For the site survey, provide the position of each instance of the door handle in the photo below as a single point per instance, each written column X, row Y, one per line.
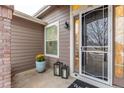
column 82, row 49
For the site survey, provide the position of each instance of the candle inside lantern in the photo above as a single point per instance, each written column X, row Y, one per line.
column 64, row 73
column 57, row 71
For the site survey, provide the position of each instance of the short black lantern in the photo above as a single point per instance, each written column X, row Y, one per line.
column 57, row 68
column 65, row 72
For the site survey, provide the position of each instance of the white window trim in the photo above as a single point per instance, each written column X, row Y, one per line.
column 50, row 55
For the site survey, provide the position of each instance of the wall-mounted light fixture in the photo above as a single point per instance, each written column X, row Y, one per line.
column 67, row 25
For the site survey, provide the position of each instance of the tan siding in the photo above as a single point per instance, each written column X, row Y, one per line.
column 61, row 14
column 27, row 40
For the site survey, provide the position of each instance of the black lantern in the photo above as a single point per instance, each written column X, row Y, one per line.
column 57, row 68
column 65, row 72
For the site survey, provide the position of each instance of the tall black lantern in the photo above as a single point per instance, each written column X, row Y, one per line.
column 57, row 68
column 65, row 72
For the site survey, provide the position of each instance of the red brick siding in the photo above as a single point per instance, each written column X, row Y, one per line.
column 5, row 50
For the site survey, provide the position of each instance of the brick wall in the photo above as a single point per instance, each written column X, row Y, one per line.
column 5, row 38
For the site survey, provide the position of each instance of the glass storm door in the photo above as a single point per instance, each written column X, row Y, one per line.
column 94, row 44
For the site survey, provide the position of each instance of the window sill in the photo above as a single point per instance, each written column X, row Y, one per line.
column 55, row 56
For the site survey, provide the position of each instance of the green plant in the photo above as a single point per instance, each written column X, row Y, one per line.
column 40, row 58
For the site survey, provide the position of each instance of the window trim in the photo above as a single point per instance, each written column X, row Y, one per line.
column 50, row 55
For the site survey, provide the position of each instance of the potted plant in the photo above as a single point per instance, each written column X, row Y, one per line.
column 40, row 63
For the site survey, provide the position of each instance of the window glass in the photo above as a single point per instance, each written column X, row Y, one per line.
column 76, row 43
column 51, row 33
column 51, row 47
column 119, row 45
column 51, row 39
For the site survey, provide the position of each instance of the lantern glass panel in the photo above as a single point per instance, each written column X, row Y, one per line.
column 57, row 70
column 64, row 73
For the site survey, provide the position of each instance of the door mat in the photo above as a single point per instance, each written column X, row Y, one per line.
column 80, row 84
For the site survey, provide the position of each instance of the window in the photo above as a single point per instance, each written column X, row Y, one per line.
column 76, row 43
column 52, row 40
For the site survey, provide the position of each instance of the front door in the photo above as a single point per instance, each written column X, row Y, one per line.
column 94, row 44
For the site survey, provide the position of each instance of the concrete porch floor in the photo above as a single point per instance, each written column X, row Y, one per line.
column 33, row 79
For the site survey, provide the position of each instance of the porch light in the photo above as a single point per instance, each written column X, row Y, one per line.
column 67, row 26
column 57, row 68
column 65, row 72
